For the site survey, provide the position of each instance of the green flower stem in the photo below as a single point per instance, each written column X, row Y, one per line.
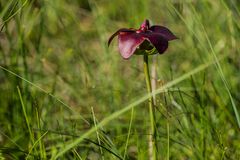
column 152, row 141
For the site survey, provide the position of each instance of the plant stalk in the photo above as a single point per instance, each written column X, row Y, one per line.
column 152, row 141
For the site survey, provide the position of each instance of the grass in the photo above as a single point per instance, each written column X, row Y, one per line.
column 66, row 95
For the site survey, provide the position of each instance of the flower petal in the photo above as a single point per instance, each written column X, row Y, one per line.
column 117, row 32
column 159, row 42
column 128, row 42
column 145, row 25
column 165, row 32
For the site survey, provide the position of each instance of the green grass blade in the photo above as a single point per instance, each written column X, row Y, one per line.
column 219, row 69
column 25, row 115
column 44, row 91
column 35, row 143
column 128, row 135
column 97, row 133
column 116, row 114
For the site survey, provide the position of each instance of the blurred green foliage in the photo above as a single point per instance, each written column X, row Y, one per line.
column 56, row 53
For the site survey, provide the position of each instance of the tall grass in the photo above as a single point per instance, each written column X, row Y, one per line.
column 66, row 95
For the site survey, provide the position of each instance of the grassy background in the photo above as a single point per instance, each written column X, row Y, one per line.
column 64, row 94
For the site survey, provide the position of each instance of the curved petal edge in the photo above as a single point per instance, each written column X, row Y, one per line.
column 164, row 31
column 117, row 32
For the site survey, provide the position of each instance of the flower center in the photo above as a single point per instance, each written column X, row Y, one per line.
column 144, row 26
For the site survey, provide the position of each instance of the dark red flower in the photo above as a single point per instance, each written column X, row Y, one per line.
column 144, row 38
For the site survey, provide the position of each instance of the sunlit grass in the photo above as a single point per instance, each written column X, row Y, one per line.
column 65, row 94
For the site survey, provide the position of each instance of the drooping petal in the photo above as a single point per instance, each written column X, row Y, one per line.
column 128, row 43
column 157, row 40
column 117, row 32
column 165, row 32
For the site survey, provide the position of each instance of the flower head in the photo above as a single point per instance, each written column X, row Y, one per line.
column 145, row 38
